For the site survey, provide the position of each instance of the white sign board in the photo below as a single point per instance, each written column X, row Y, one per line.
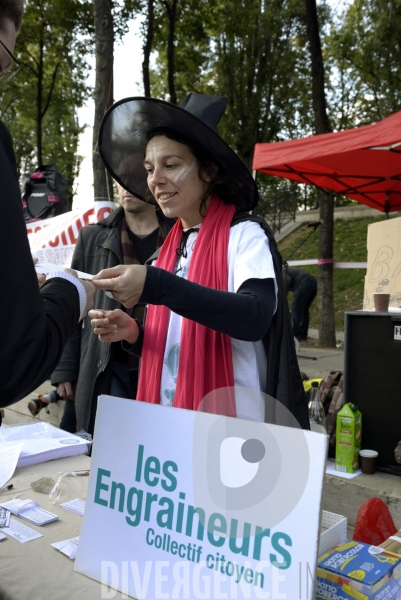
column 184, row 504
column 383, row 274
column 53, row 240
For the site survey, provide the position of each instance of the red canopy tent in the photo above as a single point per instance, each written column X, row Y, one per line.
column 363, row 163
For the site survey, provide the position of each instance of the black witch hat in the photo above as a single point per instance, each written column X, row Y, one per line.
column 126, row 127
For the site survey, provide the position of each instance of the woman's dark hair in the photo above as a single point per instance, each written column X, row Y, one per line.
column 208, row 167
column 13, row 10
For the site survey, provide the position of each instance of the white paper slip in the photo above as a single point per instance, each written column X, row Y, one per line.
column 47, row 268
column 30, row 511
column 21, row 532
column 67, row 547
column 4, row 517
column 9, row 455
column 331, row 470
column 2, row 536
column 76, row 506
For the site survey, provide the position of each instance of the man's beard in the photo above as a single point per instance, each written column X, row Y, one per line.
column 136, row 209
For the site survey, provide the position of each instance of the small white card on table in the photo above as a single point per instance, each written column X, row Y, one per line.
column 21, row 532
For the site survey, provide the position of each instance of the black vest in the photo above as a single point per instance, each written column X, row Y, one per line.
column 283, row 376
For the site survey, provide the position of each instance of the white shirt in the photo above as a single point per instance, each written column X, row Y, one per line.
column 80, row 288
column 249, row 257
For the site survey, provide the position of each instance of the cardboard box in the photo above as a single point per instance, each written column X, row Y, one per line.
column 348, row 438
column 327, row 590
column 384, row 262
column 355, row 570
column 391, row 591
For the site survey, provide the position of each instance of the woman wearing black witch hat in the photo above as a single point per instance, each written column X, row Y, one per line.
column 216, row 318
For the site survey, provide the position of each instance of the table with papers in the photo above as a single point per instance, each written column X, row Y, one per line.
column 36, row 569
column 35, row 443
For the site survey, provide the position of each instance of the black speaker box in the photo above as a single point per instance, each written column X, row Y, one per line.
column 372, row 377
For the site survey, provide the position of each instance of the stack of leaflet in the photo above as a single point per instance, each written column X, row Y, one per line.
column 42, row 442
column 30, row 511
column 76, row 506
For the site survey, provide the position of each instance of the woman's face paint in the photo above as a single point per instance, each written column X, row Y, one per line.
column 173, row 179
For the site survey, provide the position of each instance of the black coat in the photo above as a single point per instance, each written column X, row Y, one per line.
column 293, row 278
column 35, row 324
column 85, row 359
column 284, row 381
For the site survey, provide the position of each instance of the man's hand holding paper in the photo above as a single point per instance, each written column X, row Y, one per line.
column 49, row 269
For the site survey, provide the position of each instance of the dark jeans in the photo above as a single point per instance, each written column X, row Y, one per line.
column 69, row 420
column 121, row 386
column 121, row 381
column 303, row 298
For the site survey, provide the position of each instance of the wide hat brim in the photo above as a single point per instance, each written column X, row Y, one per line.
column 123, row 138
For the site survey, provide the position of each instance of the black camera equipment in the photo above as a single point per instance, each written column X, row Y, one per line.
column 44, row 193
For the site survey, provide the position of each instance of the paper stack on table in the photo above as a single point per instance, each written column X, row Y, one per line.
column 30, row 511
column 42, row 442
column 76, row 506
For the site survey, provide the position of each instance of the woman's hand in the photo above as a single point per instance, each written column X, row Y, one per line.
column 114, row 325
column 125, row 282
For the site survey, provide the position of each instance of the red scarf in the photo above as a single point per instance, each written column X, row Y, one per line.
column 205, row 361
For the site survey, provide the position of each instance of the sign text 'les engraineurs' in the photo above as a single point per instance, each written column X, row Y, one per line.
column 187, row 504
column 138, row 503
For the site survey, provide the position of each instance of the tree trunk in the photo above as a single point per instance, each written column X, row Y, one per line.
column 327, row 333
column 172, row 16
column 148, row 49
column 103, row 94
column 326, row 202
column 39, row 99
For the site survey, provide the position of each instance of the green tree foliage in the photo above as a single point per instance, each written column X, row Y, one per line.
column 253, row 52
column 40, row 104
column 192, row 51
column 365, row 49
column 258, row 67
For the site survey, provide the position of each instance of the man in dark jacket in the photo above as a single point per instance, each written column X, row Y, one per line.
column 36, row 324
column 89, row 368
column 304, row 286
